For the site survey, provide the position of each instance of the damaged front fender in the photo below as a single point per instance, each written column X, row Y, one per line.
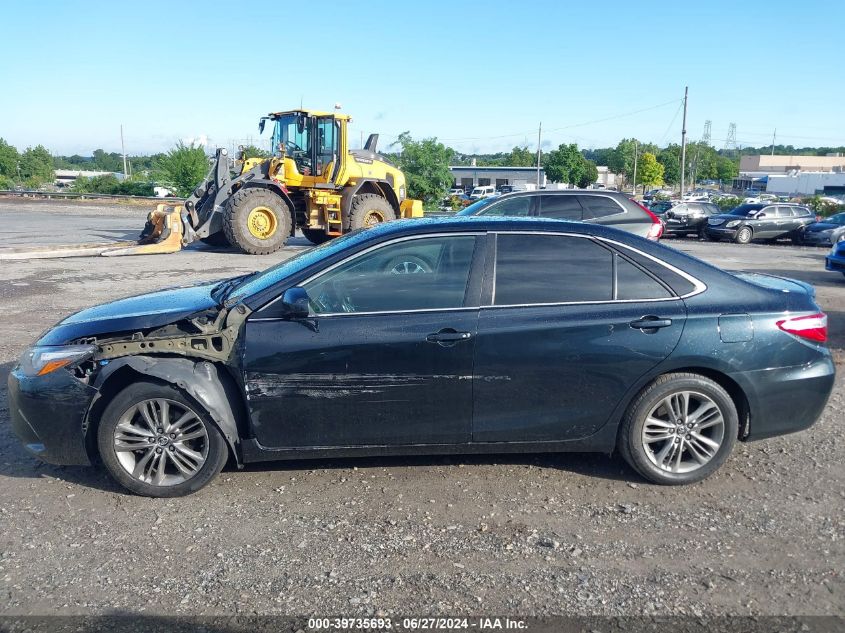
column 204, row 381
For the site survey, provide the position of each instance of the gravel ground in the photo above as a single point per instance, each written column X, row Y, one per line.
column 528, row 535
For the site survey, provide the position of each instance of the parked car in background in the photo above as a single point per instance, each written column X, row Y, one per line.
column 825, row 232
column 605, row 207
column 835, row 260
column 660, row 207
column 438, row 336
column 456, row 191
column 760, row 221
column 486, row 191
column 688, row 218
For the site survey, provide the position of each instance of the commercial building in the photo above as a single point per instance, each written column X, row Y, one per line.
column 470, row 176
column 797, row 175
column 764, row 164
column 65, row 177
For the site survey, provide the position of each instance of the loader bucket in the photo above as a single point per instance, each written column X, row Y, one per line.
column 163, row 233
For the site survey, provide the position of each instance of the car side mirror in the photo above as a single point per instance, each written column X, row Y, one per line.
column 760, row 215
column 296, row 304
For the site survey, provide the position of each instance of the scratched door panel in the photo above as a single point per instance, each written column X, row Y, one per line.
column 360, row 380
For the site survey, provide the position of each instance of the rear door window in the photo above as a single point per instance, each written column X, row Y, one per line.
column 599, row 207
column 632, row 284
column 538, row 269
column 560, row 207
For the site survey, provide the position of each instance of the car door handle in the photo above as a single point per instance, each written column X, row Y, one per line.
column 448, row 335
column 650, row 323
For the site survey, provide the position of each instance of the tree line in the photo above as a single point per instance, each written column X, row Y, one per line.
column 425, row 163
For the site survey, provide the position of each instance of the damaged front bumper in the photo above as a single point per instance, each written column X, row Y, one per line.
column 48, row 415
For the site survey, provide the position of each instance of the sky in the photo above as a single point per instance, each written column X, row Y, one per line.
column 479, row 76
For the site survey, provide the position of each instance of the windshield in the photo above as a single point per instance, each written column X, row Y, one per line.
column 839, row 218
column 477, row 206
column 745, row 210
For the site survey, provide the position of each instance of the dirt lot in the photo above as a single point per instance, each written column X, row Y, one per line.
column 528, row 535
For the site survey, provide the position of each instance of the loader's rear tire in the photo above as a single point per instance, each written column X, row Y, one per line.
column 257, row 221
column 216, row 239
column 316, row 236
column 369, row 210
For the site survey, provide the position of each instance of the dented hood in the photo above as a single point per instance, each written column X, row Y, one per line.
column 140, row 312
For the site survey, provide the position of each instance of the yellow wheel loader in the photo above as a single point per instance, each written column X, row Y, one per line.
column 313, row 182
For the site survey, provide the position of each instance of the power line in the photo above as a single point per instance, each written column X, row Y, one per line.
column 565, row 127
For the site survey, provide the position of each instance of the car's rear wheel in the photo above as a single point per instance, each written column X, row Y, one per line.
column 157, row 442
column 679, row 429
column 744, row 235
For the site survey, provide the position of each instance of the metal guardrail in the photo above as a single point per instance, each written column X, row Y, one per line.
column 80, row 196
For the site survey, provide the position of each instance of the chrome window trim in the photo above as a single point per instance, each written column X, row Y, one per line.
column 699, row 286
column 374, row 247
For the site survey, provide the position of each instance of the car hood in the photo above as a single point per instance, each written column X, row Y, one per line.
column 140, row 312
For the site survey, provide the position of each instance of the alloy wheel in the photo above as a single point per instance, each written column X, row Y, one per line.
column 683, row 432
column 161, row 442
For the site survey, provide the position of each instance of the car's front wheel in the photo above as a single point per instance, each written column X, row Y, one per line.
column 744, row 235
column 679, row 429
column 157, row 442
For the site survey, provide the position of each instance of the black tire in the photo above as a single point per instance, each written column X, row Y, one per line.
column 368, row 210
column 744, row 235
column 316, row 236
column 632, row 445
column 270, row 207
column 218, row 240
column 216, row 450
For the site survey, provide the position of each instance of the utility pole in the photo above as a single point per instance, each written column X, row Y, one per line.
column 774, row 135
column 539, row 138
column 636, row 146
column 123, row 150
column 684, row 141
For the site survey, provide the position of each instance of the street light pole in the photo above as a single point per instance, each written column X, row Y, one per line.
column 539, row 139
column 636, row 146
column 684, row 142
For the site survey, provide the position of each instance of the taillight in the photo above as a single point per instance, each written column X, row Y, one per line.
column 656, row 229
column 812, row 327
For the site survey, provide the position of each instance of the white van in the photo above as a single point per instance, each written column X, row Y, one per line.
column 487, row 191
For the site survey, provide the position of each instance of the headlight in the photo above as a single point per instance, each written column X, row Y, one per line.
column 39, row 361
column 732, row 224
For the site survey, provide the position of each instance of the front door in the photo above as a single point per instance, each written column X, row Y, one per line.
column 386, row 358
column 562, row 341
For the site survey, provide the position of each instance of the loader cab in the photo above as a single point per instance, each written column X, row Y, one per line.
column 314, row 141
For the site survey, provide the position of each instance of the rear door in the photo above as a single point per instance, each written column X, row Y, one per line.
column 562, row 336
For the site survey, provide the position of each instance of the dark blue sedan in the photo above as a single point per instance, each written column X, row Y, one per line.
column 463, row 335
column 835, row 260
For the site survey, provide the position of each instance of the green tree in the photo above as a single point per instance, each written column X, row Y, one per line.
column 251, row 151
column 181, row 169
column 36, row 166
column 589, row 175
column 670, row 158
column 649, row 171
column 726, row 169
column 565, row 164
column 9, row 158
column 107, row 161
column 426, row 167
column 521, row 157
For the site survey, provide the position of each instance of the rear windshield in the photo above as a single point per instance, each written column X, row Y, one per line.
column 745, row 210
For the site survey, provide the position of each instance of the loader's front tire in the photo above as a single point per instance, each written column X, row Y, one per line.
column 316, row 236
column 369, row 210
column 257, row 221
